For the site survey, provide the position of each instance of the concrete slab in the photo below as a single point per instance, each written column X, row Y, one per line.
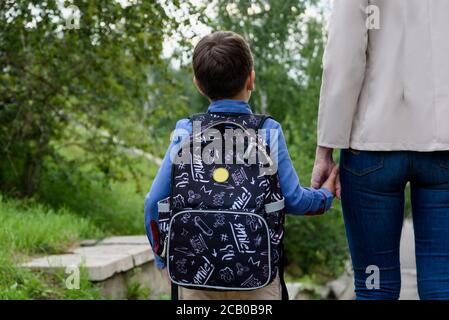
column 114, row 263
column 341, row 288
column 138, row 240
column 147, row 276
column 88, row 243
column 99, row 267
column 140, row 253
column 293, row 289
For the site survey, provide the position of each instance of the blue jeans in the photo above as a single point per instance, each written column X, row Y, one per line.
column 373, row 199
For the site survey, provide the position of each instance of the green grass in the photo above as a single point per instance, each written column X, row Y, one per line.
column 62, row 215
column 28, row 229
column 33, row 228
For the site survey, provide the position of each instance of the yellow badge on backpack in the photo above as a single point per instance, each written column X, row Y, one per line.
column 220, row 175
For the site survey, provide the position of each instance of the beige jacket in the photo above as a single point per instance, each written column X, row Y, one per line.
column 387, row 88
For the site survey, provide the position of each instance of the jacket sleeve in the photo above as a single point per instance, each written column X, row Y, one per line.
column 298, row 200
column 344, row 65
column 160, row 189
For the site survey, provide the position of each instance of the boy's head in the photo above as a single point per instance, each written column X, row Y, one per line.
column 223, row 66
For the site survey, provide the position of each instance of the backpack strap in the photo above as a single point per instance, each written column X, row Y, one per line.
column 201, row 116
column 284, row 291
column 263, row 118
column 196, row 116
column 174, row 292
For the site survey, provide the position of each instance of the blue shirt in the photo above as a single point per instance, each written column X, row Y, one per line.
column 298, row 200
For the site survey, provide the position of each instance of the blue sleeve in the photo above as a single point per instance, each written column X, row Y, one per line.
column 160, row 188
column 298, row 200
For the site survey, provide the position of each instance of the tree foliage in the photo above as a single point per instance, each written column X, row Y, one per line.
column 85, row 87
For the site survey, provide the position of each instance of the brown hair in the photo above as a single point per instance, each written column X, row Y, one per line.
column 222, row 62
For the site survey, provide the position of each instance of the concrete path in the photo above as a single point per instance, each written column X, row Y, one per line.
column 102, row 259
column 116, row 265
column 408, row 263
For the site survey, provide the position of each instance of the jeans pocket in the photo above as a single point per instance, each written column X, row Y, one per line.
column 361, row 163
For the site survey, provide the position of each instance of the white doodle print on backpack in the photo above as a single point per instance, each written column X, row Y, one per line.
column 258, row 241
column 204, row 272
column 203, row 226
column 178, row 201
column 242, row 201
column 254, row 223
column 185, row 251
column 241, row 269
column 198, row 244
column 181, row 266
column 227, row 274
column 186, row 217
column 205, row 191
column 228, row 253
column 218, row 199
column 239, row 176
column 193, row 196
column 252, row 281
column 182, row 180
column 219, row 220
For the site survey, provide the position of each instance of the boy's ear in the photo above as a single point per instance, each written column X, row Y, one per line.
column 250, row 86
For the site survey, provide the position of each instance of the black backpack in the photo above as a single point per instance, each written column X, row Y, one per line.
column 222, row 228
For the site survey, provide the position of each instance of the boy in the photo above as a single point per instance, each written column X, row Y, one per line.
column 223, row 69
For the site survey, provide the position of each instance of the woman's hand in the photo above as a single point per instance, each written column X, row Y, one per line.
column 323, row 167
column 331, row 182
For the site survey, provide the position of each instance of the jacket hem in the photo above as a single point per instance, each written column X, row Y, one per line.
column 427, row 147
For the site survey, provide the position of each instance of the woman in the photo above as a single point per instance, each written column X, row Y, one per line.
column 385, row 103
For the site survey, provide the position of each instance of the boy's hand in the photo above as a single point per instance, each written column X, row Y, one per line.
column 331, row 182
column 324, row 163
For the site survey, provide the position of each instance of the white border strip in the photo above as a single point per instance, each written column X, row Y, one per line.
column 163, row 206
column 275, row 206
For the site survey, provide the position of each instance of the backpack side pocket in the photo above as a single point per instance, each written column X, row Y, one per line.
column 164, row 212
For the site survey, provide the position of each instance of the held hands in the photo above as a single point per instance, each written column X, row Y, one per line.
column 325, row 172
column 330, row 183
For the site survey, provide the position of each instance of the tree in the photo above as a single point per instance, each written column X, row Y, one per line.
column 62, row 86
